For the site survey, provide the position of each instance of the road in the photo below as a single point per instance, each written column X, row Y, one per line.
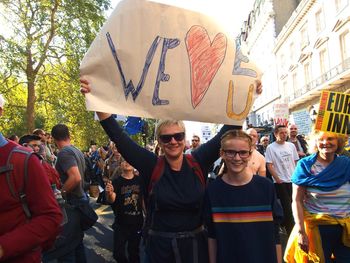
column 99, row 239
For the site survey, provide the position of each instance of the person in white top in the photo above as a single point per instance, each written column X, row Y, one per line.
column 257, row 162
column 281, row 157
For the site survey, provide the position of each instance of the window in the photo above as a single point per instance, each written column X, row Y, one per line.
column 295, row 82
column 283, row 62
column 319, row 17
column 285, row 89
column 345, row 45
column 324, row 63
column 307, row 73
column 304, row 37
column 292, row 53
column 340, row 4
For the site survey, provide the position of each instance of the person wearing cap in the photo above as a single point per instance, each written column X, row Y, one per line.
column 22, row 240
column 33, row 142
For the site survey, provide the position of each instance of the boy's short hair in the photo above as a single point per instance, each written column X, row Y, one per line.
column 278, row 127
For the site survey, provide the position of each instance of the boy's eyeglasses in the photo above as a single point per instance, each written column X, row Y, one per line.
column 166, row 138
column 232, row 153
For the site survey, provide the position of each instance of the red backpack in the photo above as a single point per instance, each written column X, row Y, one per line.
column 159, row 170
column 17, row 167
column 17, row 164
column 54, row 177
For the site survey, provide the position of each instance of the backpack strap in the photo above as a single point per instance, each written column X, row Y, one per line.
column 21, row 196
column 195, row 167
column 159, row 170
column 157, row 173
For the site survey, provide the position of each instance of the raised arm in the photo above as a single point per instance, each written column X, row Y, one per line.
column 208, row 152
column 140, row 158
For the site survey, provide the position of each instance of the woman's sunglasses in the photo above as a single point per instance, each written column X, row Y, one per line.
column 166, row 138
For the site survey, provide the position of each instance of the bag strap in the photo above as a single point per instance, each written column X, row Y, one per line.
column 21, row 195
column 159, row 170
column 195, row 167
column 157, row 173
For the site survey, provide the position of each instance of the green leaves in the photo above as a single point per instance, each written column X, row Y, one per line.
column 40, row 54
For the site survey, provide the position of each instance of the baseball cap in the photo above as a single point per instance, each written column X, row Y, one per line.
column 2, row 101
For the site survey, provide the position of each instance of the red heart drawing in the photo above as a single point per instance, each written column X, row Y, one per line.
column 205, row 58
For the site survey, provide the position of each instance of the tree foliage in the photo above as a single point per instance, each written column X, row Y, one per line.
column 40, row 52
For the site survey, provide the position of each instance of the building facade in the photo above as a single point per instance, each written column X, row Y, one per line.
column 302, row 47
column 258, row 34
column 313, row 54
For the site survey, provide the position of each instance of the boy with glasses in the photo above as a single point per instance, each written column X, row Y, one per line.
column 241, row 206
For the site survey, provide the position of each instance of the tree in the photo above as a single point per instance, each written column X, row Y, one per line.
column 43, row 33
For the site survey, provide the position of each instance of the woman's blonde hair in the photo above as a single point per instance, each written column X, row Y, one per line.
column 236, row 134
column 163, row 123
column 342, row 139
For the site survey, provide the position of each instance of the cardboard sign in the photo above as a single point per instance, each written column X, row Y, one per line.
column 159, row 61
column 302, row 120
column 281, row 114
column 334, row 113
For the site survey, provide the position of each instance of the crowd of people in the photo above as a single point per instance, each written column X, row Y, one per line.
column 226, row 200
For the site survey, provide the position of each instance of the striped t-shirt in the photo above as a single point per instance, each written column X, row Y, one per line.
column 335, row 203
column 243, row 220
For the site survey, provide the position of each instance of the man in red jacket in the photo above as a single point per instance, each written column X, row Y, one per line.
column 22, row 237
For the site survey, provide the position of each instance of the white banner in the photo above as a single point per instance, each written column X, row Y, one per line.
column 159, row 61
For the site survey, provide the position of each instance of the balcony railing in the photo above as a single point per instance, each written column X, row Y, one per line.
column 332, row 73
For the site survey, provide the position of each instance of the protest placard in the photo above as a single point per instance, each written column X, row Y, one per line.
column 334, row 113
column 161, row 61
column 281, row 114
column 302, row 120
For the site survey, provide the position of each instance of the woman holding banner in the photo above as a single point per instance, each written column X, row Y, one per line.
column 175, row 184
column 321, row 204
